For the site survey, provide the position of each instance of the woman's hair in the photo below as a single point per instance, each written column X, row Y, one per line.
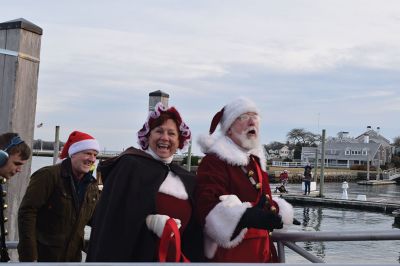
column 161, row 120
column 157, row 118
column 22, row 148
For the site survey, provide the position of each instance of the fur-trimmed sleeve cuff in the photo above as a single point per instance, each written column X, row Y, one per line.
column 222, row 220
column 285, row 210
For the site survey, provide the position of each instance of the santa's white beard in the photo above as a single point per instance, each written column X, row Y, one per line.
column 246, row 142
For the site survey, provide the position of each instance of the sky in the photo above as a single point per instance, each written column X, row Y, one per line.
column 332, row 64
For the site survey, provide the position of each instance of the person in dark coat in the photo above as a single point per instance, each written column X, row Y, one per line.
column 142, row 190
column 58, row 203
column 14, row 153
column 307, row 179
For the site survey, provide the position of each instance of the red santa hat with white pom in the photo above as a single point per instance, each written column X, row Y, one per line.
column 230, row 112
column 77, row 142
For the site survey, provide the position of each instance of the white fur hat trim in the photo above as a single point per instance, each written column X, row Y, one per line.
column 234, row 109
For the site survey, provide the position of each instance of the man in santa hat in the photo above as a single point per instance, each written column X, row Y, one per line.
column 58, row 203
column 234, row 202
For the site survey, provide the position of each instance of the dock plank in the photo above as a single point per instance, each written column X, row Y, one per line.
column 386, row 207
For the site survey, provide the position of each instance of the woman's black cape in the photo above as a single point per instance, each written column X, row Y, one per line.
column 119, row 232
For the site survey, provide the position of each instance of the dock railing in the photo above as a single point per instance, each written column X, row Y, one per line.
column 302, row 164
column 391, row 174
column 289, row 240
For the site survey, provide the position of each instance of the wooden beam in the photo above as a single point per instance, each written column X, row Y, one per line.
column 20, row 43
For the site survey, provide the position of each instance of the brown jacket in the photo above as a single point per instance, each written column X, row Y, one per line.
column 50, row 221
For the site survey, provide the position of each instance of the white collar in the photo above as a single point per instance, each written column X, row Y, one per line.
column 155, row 156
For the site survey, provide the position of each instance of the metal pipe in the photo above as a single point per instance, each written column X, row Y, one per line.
column 281, row 252
column 289, row 238
column 337, row 236
column 304, row 253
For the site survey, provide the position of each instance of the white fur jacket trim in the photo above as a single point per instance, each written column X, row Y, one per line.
column 285, row 211
column 228, row 151
column 174, row 186
column 220, row 225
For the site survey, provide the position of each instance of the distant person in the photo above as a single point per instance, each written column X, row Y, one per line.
column 233, row 195
column 14, row 153
column 144, row 191
column 307, row 179
column 284, row 177
column 58, row 203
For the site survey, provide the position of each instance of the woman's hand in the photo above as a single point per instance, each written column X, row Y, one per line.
column 156, row 223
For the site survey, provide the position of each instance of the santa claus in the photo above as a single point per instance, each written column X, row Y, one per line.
column 233, row 195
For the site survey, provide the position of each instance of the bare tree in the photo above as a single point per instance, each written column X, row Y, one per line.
column 297, row 135
column 275, row 145
column 396, row 141
column 300, row 135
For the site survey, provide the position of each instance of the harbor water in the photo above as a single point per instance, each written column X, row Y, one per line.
column 325, row 219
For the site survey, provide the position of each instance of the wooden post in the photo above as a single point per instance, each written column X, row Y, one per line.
column 156, row 97
column 56, row 148
column 316, row 165
column 368, row 164
column 19, row 68
column 189, row 157
column 321, row 179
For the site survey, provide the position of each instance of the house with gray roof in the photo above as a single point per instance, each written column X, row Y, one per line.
column 386, row 151
column 344, row 151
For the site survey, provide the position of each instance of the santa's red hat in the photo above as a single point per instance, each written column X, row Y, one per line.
column 79, row 141
column 230, row 112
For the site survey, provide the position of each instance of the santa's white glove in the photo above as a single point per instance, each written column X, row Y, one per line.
column 230, row 200
column 156, row 223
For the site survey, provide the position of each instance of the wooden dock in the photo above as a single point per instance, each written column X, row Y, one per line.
column 376, row 182
column 386, row 207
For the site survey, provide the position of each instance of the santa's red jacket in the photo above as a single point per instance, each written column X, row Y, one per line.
column 228, row 170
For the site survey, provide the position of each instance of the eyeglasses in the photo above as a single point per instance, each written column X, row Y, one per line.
column 246, row 117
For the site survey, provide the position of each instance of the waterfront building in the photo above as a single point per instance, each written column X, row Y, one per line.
column 344, row 151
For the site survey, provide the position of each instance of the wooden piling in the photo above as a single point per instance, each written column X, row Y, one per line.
column 20, row 42
column 156, row 97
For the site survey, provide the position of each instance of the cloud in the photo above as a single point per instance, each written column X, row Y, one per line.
column 296, row 59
